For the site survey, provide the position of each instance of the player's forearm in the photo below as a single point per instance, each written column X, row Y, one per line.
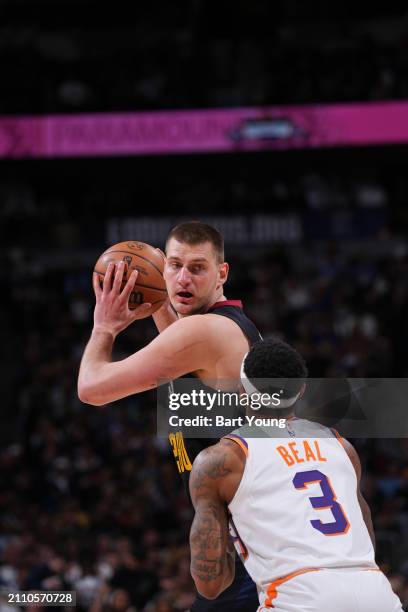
column 93, row 370
column 212, row 565
column 208, row 586
column 164, row 317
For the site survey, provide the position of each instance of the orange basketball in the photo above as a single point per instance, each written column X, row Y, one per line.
column 148, row 261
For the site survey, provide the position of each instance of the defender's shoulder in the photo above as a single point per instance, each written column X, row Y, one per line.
column 217, row 470
column 213, row 459
column 219, row 459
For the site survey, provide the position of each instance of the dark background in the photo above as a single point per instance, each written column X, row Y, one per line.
column 90, row 498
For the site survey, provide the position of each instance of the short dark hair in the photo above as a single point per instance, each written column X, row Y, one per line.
column 274, row 359
column 195, row 232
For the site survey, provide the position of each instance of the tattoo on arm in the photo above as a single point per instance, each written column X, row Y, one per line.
column 208, row 542
column 212, row 565
column 206, row 471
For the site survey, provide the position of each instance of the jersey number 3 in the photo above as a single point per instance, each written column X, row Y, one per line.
column 327, row 501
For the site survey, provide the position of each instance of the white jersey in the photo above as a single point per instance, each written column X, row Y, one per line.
column 296, row 508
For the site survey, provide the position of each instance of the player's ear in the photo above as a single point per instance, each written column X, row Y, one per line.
column 223, row 272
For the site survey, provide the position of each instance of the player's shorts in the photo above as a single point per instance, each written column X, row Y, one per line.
column 241, row 596
column 336, row 590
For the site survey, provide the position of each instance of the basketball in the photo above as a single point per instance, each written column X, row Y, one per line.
column 148, row 261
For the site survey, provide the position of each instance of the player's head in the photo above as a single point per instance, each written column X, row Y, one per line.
column 195, row 270
column 275, row 368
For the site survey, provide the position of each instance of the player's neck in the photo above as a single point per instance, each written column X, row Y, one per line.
column 221, row 298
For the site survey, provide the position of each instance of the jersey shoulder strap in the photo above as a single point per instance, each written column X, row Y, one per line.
column 232, row 309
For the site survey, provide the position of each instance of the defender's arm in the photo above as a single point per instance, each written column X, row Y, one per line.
column 365, row 509
column 212, row 553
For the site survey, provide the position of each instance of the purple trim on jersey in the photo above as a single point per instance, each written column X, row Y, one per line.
column 239, row 438
column 237, row 538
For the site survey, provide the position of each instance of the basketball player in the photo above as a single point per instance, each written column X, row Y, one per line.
column 201, row 333
column 297, row 515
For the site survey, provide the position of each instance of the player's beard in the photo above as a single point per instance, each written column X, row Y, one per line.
column 201, row 308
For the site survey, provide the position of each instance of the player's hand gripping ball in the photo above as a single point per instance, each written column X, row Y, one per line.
column 148, row 261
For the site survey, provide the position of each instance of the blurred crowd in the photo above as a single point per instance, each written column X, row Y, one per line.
column 346, row 314
column 87, row 57
column 91, row 503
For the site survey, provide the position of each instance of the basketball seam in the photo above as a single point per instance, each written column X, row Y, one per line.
column 137, row 284
column 136, row 255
